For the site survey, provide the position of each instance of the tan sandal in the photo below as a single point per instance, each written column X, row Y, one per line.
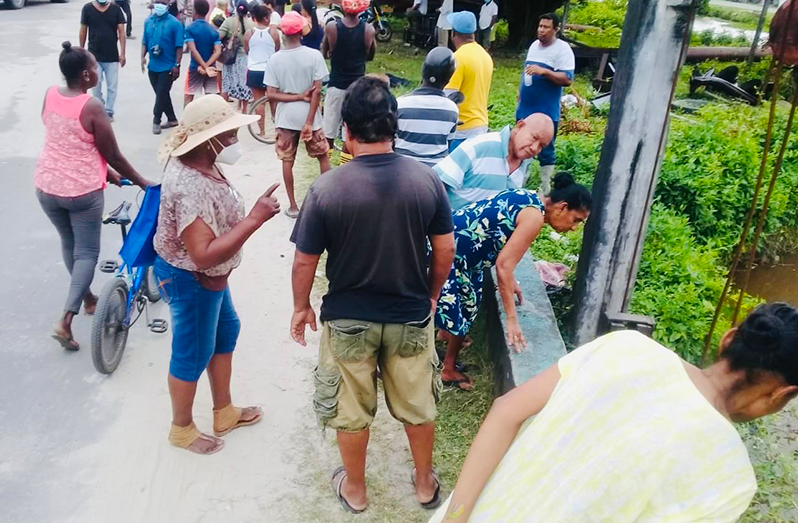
column 228, row 419
column 184, row 437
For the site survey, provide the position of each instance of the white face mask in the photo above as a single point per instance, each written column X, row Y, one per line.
column 228, row 155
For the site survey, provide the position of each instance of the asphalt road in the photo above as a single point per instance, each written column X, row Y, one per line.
column 50, row 405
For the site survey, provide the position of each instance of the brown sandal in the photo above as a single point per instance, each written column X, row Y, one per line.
column 228, row 419
column 184, row 437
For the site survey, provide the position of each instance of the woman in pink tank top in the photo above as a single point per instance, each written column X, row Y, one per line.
column 71, row 174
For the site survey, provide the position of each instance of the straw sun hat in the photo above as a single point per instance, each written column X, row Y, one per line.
column 203, row 119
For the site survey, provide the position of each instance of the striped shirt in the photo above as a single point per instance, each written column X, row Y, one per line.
column 427, row 121
column 478, row 169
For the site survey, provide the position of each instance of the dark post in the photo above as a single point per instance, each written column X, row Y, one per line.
column 656, row 34
column 759, row 27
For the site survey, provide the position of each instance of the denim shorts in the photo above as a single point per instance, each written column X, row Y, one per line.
column 204, row 322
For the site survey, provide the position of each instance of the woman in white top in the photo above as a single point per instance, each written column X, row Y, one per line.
column 260, row 43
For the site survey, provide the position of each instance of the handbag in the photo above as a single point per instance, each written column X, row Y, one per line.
column 138, row 249
column 230, row 49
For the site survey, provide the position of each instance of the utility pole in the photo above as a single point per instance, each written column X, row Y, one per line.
column 758, row 34
column 654, row 43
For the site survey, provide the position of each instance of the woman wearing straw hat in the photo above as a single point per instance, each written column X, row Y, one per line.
column 201, row 230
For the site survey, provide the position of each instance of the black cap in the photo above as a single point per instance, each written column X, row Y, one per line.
column 439, row 66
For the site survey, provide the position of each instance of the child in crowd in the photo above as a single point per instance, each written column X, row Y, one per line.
column 293, row 78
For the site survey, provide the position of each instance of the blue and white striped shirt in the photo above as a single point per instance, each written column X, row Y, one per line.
column 478, row 169
column 427, row 121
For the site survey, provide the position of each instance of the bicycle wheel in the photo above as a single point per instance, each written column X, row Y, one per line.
column 150, row 285
column 108, row 330
column 261, row 107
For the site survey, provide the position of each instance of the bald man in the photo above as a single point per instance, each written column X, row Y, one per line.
column 488, row 164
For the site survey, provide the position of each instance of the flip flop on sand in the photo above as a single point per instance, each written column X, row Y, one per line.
column 291, row 214
column 338, row 477
column 435, row 502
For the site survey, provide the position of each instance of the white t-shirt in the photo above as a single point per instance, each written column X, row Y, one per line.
column 294, row 71
column 275, row 19
column 486, row 14
column 558, row 55
column 447, row 7
column 422, row 6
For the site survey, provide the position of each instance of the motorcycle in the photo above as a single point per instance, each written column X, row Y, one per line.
column 373, row 15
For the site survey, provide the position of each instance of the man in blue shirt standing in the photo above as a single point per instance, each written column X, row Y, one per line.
column 548, row 68
column 163, row 42
column 205, row 47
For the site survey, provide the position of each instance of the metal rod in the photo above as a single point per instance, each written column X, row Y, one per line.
column 749, row 218
column 758, row 34
column 763, row 215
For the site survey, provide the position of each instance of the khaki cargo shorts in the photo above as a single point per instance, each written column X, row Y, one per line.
column 350, row 352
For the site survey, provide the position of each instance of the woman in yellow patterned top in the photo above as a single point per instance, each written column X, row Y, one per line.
column 626, row 431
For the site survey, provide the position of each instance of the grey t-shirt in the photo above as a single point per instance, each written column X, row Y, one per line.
column 294, row 71
column 373, row 217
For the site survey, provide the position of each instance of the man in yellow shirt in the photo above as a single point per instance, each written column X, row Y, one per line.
column 472, row 77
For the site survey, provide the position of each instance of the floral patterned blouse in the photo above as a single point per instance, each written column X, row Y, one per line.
column 188, row 195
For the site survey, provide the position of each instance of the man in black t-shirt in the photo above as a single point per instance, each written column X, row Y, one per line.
column 104, row 22
column 374, row 217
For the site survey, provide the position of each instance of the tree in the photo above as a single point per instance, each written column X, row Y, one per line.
column 522, row 18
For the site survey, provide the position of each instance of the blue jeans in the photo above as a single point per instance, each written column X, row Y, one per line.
column 547, row 156
column 111, row 72
column 204, row 322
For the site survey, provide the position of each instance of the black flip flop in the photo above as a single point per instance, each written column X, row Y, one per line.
column 435, row 502
column 459, row 367
column 336, row 485
column 65, row 342
column 455, row 384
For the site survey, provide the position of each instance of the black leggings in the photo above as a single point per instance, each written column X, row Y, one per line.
column 162, row 85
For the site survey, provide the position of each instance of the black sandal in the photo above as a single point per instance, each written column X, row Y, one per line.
column 336, row 485
column 435, row 502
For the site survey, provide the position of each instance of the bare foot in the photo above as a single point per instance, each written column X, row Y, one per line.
column 206, row 444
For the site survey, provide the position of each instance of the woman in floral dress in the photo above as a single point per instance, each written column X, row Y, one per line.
column 234, row 77
column 498, row 231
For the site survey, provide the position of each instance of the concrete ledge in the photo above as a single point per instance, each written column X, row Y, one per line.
column 544, row 342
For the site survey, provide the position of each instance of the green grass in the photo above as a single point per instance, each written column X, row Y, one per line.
column 741, row 18
column 771, row 441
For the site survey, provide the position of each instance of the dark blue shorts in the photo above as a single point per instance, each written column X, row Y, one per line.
column 255, row 79
column 204, row 322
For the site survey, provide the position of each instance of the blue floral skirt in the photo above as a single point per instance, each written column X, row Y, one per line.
column 460, row 299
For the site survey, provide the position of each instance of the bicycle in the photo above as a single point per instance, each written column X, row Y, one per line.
column 268, row 124
column 121, row 302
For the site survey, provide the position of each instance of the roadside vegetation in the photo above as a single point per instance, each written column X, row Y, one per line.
column 705, row 187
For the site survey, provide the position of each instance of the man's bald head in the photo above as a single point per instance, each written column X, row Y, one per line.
column 531, row 135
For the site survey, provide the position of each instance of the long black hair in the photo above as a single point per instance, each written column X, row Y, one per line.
column 73, row 61
column 242, row 9
column 565, row 189
column 310, row 7
column 766, row 341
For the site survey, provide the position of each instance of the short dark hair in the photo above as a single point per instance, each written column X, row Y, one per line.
column 767, row 340
column 201, row 7
column 369, row 111
column 72, row 62
column 261, row 13
column 555, row 20
column 575, row 195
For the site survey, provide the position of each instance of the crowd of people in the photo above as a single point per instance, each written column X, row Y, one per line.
column 425, row 199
